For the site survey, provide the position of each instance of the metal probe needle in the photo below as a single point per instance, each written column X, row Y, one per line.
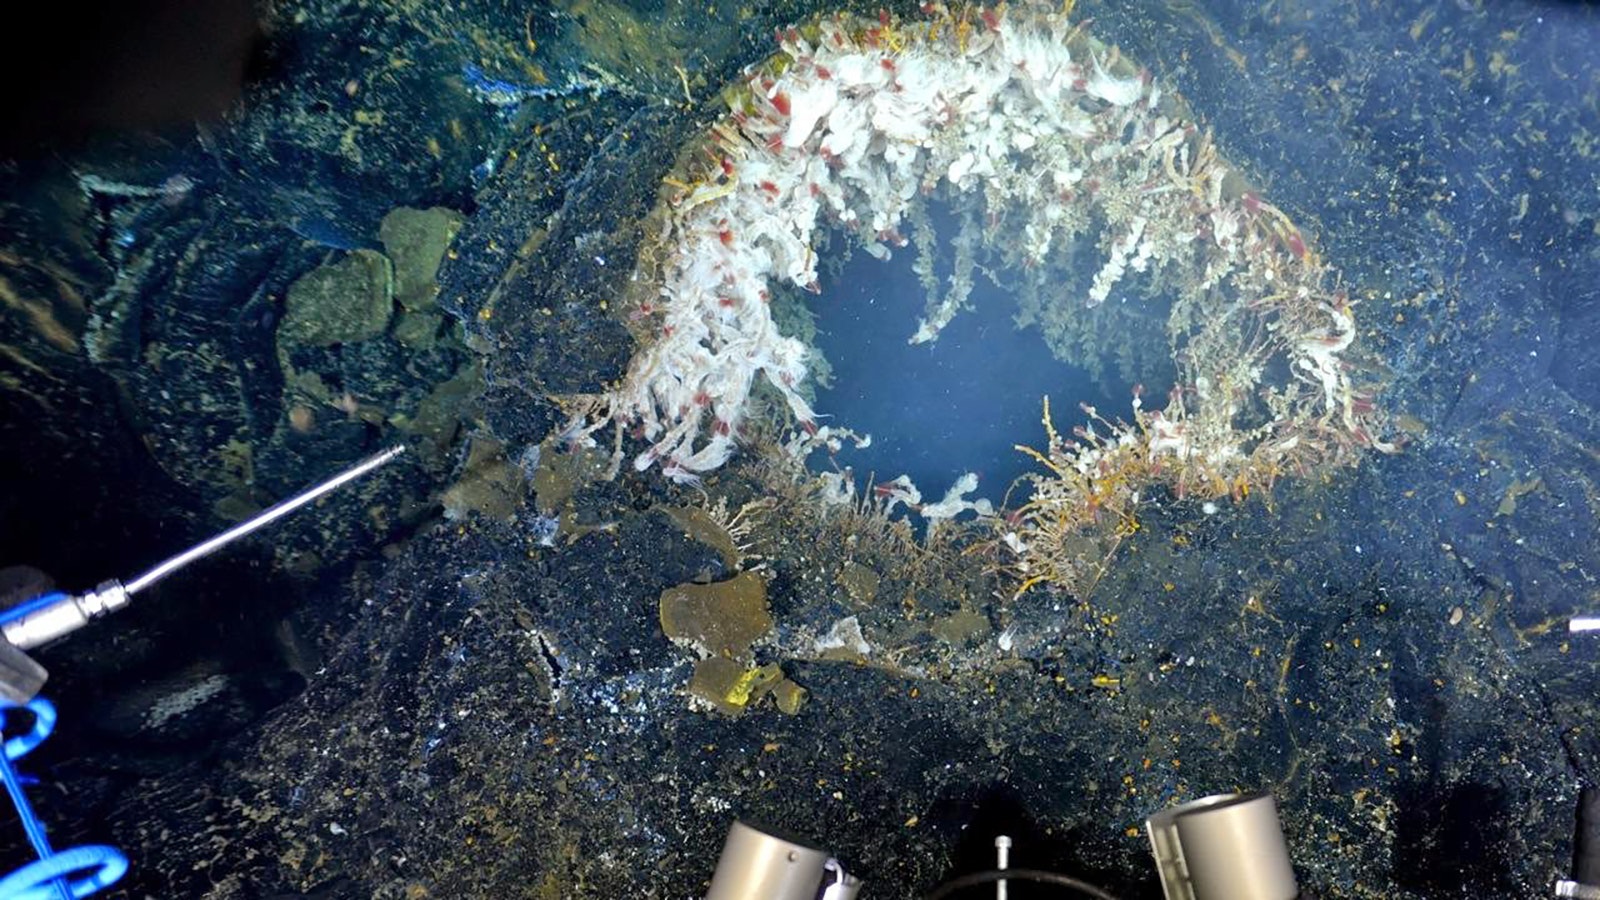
column 260, row 520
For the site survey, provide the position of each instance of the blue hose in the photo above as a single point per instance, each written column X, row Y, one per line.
column 27, row 607
column 47, row 878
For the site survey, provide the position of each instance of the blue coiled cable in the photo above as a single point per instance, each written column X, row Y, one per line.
column 49, row 876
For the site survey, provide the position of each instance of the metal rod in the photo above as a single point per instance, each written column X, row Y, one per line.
column 261, row 519
column 1002, row 850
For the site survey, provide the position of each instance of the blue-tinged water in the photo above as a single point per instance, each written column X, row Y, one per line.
column 959, row 404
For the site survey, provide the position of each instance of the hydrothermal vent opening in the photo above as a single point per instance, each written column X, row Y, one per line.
column 963, row 402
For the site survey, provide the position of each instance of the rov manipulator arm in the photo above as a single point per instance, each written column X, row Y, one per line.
column 44, row 619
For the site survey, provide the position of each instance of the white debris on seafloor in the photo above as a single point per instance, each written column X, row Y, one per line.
column 845, row 635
